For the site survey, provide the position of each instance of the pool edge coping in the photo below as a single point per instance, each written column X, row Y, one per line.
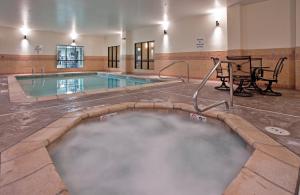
column 18, row 95
column 271, row 169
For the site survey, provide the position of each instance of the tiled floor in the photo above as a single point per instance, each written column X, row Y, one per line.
column 21, row 120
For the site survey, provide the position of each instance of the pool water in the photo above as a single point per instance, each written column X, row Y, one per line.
column 60, row 84
column 136, row 153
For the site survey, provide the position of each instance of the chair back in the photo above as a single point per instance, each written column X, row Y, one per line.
column 279, row 67
column 219, row 68
column 242, row 65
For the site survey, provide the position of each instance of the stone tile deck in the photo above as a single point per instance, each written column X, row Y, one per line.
column 19, row 120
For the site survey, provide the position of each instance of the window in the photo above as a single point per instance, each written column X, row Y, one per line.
column 144, row 55
column 69, row 56
column 113, row 57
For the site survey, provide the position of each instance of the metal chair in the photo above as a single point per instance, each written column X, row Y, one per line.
column 241, row 74
column 273, row 79
column 222, row 74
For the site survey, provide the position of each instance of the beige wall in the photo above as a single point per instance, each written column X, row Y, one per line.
column 11, row 42
column 18, row 55
column 180, row 44
column 234, row 27
column 267, row 24
column 298, row 23
column 112, row 40
column 266, row 29
column 25, row 64
column 182, row 35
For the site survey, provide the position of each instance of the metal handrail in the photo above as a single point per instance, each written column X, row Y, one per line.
column 176, row 62
column 202, row 84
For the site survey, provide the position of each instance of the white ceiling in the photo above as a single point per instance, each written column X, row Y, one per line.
column 99, row 16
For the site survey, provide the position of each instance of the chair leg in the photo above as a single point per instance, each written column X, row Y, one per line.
column 240, row 91
column 269, row 92
column 223, row 86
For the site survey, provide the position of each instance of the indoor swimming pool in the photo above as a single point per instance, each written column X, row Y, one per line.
column 135, row 153
column 60, row 84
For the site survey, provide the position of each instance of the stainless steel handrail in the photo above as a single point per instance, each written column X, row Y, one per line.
column 177, row 62
column 202, row 84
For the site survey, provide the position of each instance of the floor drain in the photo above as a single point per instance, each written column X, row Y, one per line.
column 277, row 131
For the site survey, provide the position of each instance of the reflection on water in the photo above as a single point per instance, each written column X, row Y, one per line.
column 69, row 86
column 113, row 82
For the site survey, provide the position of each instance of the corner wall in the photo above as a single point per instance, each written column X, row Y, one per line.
column 265, row 29
column 267, row 24
column 256, row 29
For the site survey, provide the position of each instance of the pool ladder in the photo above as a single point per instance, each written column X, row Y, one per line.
column 174, row 63
column 202, row 84
column 33, row 72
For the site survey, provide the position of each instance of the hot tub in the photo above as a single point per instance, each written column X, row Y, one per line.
column 149, row 153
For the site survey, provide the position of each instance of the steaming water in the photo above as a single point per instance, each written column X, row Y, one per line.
column 149, row 154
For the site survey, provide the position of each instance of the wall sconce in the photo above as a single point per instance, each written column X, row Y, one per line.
column 165, row 25
column 217, row 23
column 25, row 31
column 73, row 36
column 73, row 42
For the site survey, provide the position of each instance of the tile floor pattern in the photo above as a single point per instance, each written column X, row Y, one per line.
column 18, row 121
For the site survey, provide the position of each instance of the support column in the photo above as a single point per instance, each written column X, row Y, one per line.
column 297, row 56
column 123, row 52
column 234, row 30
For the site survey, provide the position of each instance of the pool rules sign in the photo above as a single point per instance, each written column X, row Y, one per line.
column 200, row 43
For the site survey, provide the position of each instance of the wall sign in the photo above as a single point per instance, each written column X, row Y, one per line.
column 200, row 43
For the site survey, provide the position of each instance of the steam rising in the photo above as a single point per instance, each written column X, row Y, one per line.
column 149, row 154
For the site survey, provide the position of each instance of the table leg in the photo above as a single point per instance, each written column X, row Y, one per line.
column 252, row 85
column 240, row 90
